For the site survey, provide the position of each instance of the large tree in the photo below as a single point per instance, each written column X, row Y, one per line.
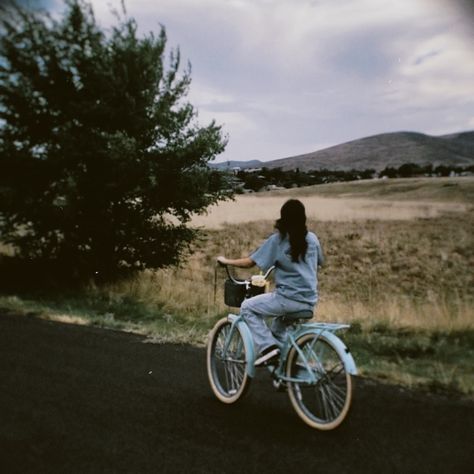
column 102, row 161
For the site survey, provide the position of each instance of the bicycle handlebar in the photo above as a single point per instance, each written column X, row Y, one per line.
column 270, row 270
column 243, row 282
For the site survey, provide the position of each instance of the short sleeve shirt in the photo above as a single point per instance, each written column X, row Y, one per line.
column 293, row 280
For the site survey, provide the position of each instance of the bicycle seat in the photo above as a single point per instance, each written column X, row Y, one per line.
column 290, row 318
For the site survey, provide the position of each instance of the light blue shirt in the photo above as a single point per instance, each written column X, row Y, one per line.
column 296, row 281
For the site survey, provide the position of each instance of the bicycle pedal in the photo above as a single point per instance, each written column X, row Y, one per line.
column 279, row 385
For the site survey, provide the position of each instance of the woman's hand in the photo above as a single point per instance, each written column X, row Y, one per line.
column 222, row 260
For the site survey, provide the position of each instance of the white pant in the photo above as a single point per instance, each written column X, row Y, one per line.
column 269, row 305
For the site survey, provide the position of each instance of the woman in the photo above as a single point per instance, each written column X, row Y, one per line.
column 296, row 254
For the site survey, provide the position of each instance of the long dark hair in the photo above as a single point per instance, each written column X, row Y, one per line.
column 292, row 222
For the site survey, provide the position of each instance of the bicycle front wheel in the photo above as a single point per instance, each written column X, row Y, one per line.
column 322, row 395
column 227, row 362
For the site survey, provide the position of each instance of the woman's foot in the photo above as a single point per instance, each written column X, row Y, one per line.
column 270, row 354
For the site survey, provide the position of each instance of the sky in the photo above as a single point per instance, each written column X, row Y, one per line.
column 287, row 77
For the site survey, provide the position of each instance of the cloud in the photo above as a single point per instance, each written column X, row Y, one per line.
column 441, row 78
column 205, row 96
column 421, row 59
column 285, row 75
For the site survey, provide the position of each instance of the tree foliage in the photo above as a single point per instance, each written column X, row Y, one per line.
column 102, row 159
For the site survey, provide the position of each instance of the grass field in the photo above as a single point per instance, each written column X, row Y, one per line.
column 397, row 199
column 455, row 189
column 400, row 259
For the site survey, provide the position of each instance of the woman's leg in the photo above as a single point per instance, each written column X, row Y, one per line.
column 279, row 328
column 254, row 310
column 269, row 305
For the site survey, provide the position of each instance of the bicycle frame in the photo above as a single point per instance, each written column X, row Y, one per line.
column 327, row 330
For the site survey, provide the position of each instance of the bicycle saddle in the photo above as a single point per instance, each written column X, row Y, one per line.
column 292, row 317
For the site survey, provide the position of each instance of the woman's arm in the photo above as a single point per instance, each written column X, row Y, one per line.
column 245, row 262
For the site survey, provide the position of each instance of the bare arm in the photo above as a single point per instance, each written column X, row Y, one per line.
column 245, row 262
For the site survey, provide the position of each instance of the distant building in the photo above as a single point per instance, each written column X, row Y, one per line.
column 273, row 187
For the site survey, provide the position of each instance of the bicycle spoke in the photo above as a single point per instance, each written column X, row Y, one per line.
column 234, row 376
column 227, row 376
column 324, row 403
column 235, row 363
column 230, row 376
column 230, row 367
column 334, row 409
column 336, row 393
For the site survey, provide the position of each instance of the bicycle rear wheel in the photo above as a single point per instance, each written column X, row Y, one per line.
column 325, row 402
column 227, row 362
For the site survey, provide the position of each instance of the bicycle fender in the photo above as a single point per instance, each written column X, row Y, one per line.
column 339, row 346
column 248, row 342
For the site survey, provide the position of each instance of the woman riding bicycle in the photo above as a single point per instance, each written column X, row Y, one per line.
column 296, row 254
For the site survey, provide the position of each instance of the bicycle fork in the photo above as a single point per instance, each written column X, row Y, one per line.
column 238, row 324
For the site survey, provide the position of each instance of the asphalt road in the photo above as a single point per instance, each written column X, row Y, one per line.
column 77, row 400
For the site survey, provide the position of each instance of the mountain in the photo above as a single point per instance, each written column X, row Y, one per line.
column 381, row 151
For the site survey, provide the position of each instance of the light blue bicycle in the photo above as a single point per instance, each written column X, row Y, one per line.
column 315, row 366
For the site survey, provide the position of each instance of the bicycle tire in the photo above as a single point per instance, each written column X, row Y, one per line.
column 323, row 404
column 227, row 372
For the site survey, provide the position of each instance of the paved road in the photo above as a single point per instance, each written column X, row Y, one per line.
column 77, row 400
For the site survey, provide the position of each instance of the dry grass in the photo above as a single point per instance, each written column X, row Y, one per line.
column 438, row 314
column 414, row 273
column 406, row 263
column 251, row 208
column 397, row 199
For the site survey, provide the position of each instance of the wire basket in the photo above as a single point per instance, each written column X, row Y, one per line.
column 234, row 294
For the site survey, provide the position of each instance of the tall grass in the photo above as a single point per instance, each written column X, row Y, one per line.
column 416, row 274
column 250, row 208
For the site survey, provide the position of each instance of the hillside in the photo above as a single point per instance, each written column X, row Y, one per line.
column 380, row 151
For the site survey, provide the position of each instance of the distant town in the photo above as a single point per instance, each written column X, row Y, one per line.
column 249, row 180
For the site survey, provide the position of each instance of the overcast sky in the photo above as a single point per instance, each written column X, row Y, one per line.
column 286, row 77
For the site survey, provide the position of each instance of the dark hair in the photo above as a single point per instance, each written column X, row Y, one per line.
column 293, row 223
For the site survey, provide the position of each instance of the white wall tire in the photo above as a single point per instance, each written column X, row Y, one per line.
column 227, row 372
column 325, row 404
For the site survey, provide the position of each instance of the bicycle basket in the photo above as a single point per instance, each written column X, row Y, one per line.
column 235, row 294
